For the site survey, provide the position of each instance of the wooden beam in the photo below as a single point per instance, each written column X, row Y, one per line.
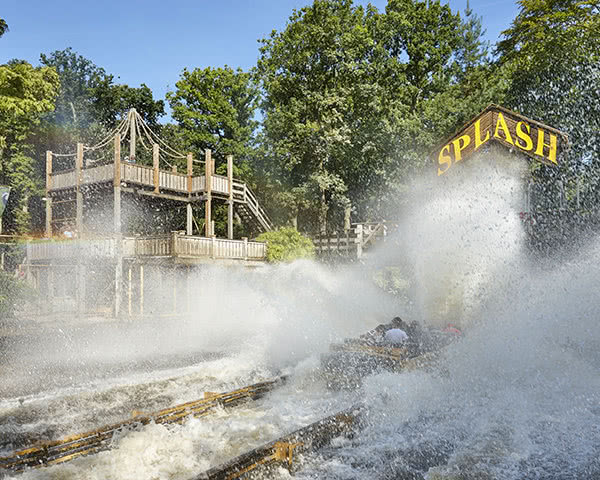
column 230, row 201
column 132, row 135
column 208, row 189
column 117, row 185
column 141, row 289
column 48, row 197
column 78, row 173
column 189, row 224
column 155, row 166
column 129, row 291
column 190, row 171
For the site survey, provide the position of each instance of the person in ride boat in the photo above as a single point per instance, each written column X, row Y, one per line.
column 394, row 333
column 417, row 339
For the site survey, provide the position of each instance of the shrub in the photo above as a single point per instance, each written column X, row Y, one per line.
column 13, row 292
column 287, row 244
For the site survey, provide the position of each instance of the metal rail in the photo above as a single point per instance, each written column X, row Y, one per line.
column 59, row 451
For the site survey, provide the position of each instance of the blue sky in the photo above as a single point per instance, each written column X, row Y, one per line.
column 151, row 41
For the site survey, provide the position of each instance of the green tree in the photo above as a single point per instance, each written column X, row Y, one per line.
column 551, row 51
column 89, row 95
column 354, row 99
column 26, row 93
column 112, row 101
column 325, row 112
column 215, row 107
column 13, row 292
column 3, row 27
column 78, row 77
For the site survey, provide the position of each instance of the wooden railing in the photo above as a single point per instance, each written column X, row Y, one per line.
column 187, row 246
column 142, row 175
column 351, row 243
column 257, row 210
column 66, row 249
column 170, row 245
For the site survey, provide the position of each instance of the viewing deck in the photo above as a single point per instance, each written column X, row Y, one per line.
column 141, row 175
column 175, row 246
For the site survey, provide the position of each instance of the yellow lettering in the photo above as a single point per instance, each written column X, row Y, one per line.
column 459, row 145
column 501, row 123
column 444, row 160
column 540, row 146
column 524, row 136
column 478, row 141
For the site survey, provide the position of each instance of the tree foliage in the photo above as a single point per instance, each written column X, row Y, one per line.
column 355, row 98
column 3, row 27
column 26, row 93
column 215, row 108
column 89, row 95
column 286, row 245
column 551, row 51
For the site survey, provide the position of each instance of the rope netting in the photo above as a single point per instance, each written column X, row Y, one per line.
column 134, row 128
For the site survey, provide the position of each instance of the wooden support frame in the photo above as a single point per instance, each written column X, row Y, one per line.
column 155, row 166
column 48, row 197
column 79, row 206
column 230, row 200
column 208, row 169
column 141, row 289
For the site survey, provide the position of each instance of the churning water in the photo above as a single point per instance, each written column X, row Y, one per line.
column 517, row 397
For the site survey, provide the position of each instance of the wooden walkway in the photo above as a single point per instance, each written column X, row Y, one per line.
column 175, row 245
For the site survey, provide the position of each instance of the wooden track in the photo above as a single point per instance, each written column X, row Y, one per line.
column 58, row 451
column 282, row 450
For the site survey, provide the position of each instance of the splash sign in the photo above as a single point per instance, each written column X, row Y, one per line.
column 498, row 124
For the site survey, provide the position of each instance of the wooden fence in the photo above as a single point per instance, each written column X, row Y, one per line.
column 351, row 243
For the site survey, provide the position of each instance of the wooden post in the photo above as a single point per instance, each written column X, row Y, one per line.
column 187, row 290
column 190, row 217
column 359, row 240
column 141, row 289
column 213, row 246
column 155, row 166
column 174, row 280
column 117, row 185
column 132, row 133
column 81, row 283
column 129, row 291
column 190, row 168
column 230, row 201
column 208, row 189
column 79, row 206
column 48, row 197
column 347, row 212
column 117, row 228
column 348, row 242
column 245, row 239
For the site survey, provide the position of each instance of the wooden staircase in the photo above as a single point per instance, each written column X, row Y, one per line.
column 251, row 212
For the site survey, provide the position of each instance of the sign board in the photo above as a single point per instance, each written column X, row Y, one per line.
column 498, row 124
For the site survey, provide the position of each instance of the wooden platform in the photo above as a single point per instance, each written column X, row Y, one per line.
column 177, row 246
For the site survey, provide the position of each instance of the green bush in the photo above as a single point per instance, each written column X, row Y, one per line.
column 12, row 292
column 287, row 244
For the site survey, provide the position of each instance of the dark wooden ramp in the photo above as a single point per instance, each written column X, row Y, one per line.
column 59, row 451
column 281, row 451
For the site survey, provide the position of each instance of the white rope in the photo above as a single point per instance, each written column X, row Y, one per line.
column 174, row 154
column 141, row 135
column 63, row 154
column 106, row 140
